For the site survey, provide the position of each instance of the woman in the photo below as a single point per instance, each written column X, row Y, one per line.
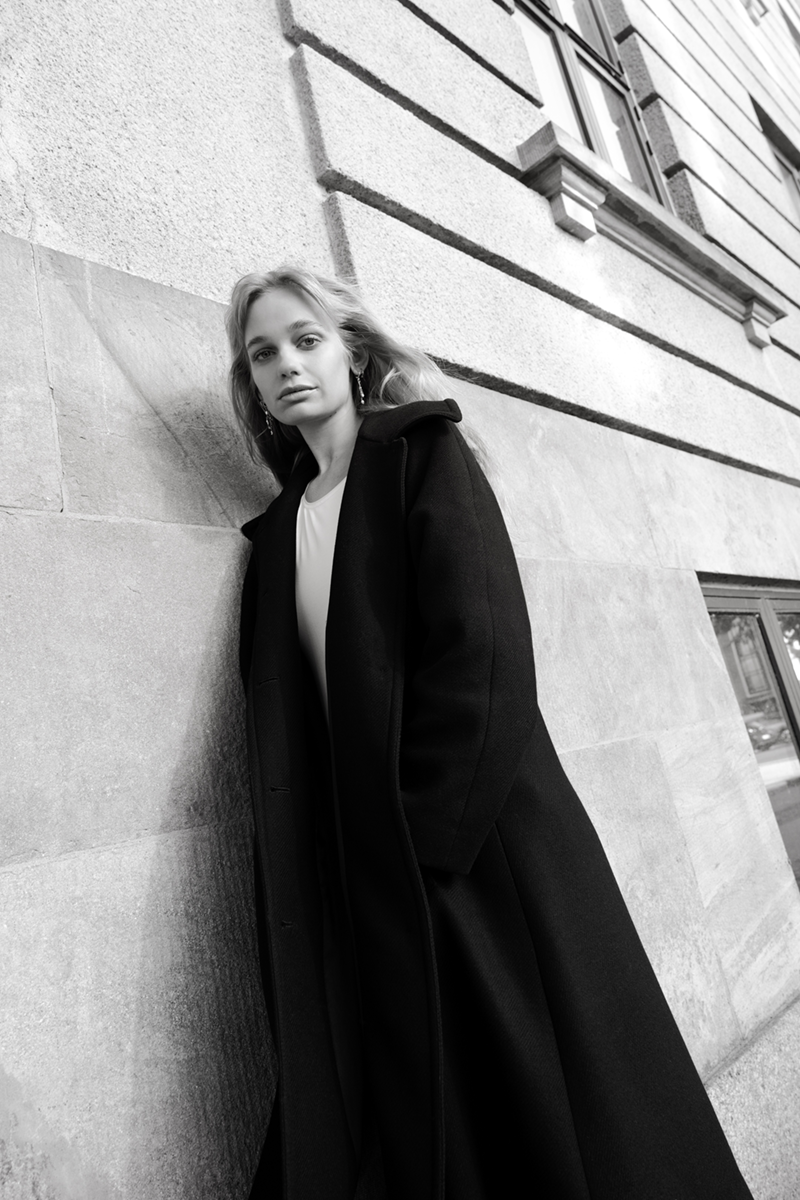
column 453, row 982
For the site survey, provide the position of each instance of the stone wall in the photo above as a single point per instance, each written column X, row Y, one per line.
column 633, row 434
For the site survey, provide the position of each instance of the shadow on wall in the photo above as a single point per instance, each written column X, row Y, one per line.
column 203, row 1063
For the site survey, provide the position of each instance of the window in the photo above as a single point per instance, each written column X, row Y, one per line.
column 791, row 177
column 787, row 157
column 583, row 85
column 758, row 631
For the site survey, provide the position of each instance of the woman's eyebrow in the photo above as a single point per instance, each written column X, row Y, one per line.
column 295, row 325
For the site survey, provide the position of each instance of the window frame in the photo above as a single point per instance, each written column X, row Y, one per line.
column 574, row 52
column 765, row 602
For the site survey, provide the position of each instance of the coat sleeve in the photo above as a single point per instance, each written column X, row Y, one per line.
column 470, row 693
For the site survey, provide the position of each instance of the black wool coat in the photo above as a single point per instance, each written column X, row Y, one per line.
column 432, row 895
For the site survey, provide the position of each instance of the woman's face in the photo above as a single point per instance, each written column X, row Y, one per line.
column 298, row 361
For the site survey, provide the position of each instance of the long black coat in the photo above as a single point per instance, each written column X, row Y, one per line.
column 515, row 1040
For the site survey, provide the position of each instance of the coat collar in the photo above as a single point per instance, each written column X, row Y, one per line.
column 385, row 426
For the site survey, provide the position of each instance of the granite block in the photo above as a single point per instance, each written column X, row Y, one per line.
column 139, row 381
column 121, row 709
column 626, row 793
column 30, row 470
column 135, row 1058
column 707, row 516
column 564, row 484
column 621, row 651
column 743, row 874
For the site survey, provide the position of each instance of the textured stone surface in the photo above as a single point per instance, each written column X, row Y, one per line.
column 406, row 55
column 706, row 516
column 487, row 30
column 744, row 878
column 757, row 1100
column 565, row 485
column 138, row 375
column 621, row 651
column 363, row 144
column 626, row 792
column 134, row 1056
column 126, row 141
column 489, row 322
column 120, row 702
column 30, row 473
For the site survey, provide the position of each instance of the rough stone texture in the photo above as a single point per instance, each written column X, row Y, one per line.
column 138, row 376
column 407, row 56
column 134, row 1056
column 627, row 794
column 30, row 471
column 488, row 32
column 489, row 322
column 474, row 205
column 757, row 1100
column 743, row 875
column 120, row 702
column 124, row 140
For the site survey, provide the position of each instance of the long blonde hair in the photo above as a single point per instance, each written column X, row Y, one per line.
column 394, row 373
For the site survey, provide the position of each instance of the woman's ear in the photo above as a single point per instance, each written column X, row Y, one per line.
column 358, row 361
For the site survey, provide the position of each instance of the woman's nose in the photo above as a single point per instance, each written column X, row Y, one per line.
column 287, row 361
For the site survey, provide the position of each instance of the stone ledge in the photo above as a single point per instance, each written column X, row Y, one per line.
column 587, row 195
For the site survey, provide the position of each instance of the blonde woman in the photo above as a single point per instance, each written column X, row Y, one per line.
column 460, row 1004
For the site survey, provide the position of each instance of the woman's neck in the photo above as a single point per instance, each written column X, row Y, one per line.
column 332, row 447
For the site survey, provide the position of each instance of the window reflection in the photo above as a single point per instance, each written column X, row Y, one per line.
column 578, row 14
column 761, row 706
column 616, row 127
column 550, row 75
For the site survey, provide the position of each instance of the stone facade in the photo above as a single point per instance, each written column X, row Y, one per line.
column 633, row 431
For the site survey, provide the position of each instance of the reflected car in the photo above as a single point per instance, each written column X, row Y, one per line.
column 765, row 731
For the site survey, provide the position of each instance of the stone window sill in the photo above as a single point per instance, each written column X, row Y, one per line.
column 588, row 196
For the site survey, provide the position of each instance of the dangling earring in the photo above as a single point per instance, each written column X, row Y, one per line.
column 267, row 418
column 361, row 399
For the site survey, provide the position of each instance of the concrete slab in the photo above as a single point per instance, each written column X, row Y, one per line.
column 407, row 56
column 621, row 651
column 491, row 323
column 135, row 1054
column 139, row 381
column 626, row 792
column 30, row 468
column 120, row 705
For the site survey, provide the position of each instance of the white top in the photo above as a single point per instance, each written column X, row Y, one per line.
column 317, row 522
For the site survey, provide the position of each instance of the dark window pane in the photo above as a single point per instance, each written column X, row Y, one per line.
column 550, row 75
column 742, row 646
column 790, row 179
column 616, row 126
column 790, row 628
column 579, row 15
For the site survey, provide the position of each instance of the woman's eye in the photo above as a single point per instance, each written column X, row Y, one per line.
column 261, row 355
column 309, row 340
